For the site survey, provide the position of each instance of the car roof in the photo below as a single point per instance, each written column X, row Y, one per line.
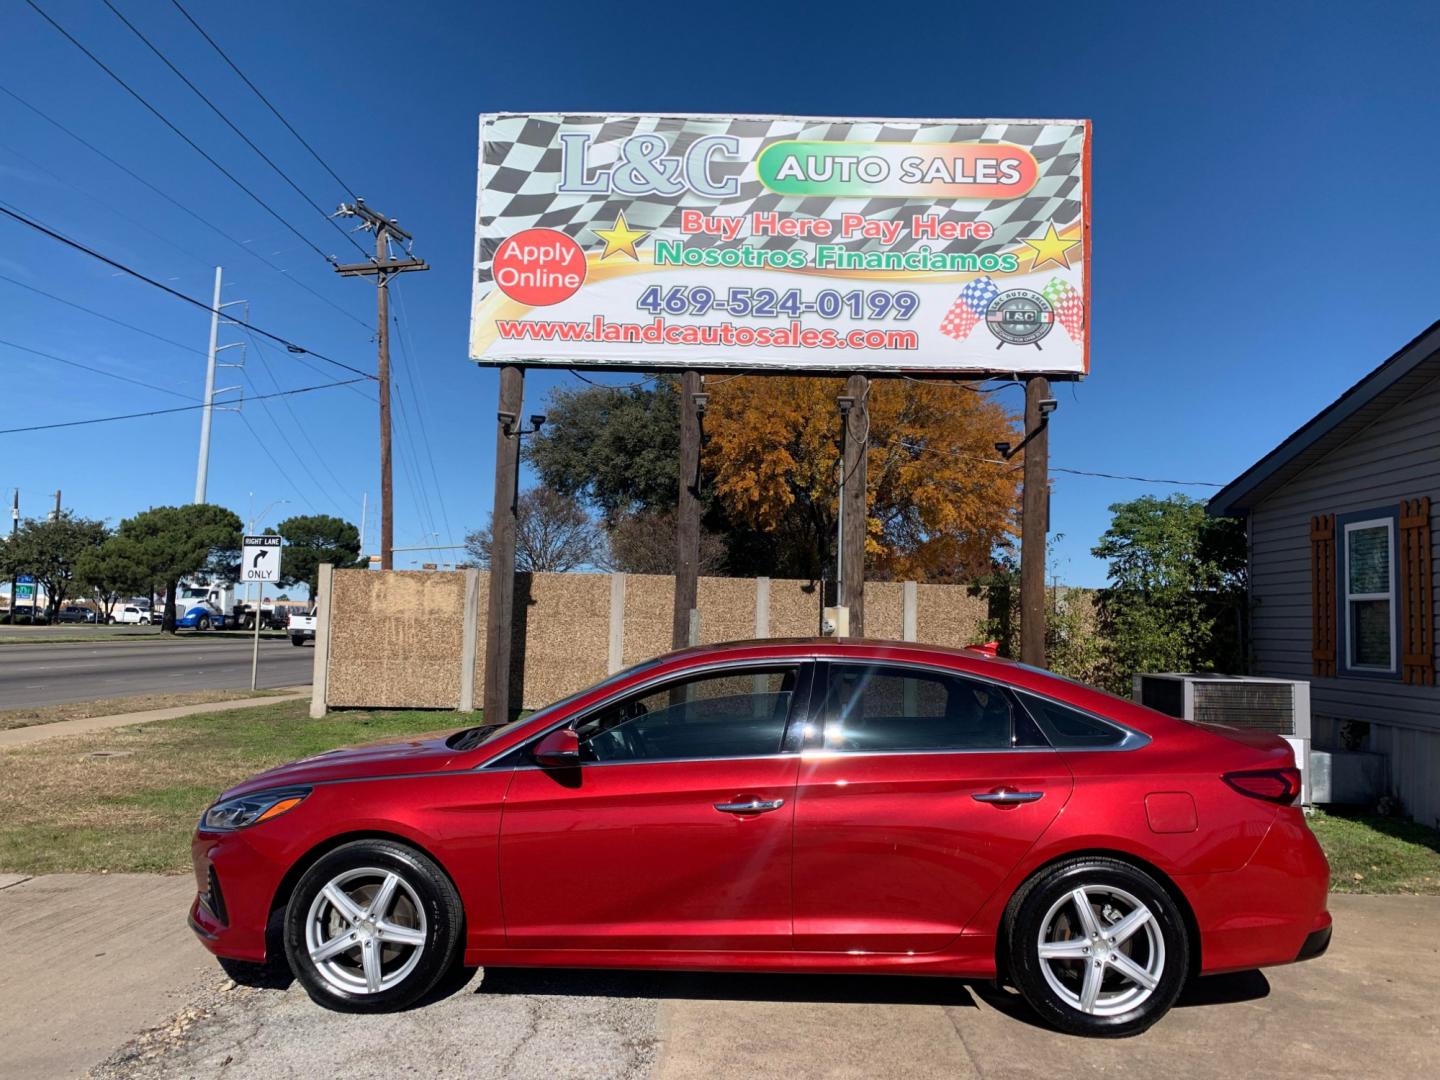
column 832, row 647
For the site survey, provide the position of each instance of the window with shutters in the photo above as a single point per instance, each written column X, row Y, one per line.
column 1369, row 588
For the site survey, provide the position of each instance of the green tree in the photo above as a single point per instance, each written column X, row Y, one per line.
column 170, row 542
column 110, row 571
column 312, row 539
column 1177, row 582
column 617, row 450
column 48, row 548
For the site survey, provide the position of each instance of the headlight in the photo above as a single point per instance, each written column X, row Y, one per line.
column 245, row 810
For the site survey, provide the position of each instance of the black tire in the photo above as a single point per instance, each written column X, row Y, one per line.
column 444, row 924
column 297, row 641
column 202, row 623
column 1027, row 915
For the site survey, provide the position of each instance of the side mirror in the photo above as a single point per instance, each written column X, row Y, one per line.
column 558, row 750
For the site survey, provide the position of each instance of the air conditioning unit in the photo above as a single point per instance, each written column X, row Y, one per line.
column 1278, row 706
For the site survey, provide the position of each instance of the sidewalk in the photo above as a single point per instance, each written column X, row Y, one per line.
column 24, row 736
column 92, row 958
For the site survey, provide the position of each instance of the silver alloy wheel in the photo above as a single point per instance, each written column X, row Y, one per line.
column 1101, row 950
column 365, row 931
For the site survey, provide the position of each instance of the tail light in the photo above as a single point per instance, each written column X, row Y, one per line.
column 1273, row 785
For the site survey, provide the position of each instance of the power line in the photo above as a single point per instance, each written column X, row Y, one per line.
column 188, row 141
column 231, row 125
column 290, row 345
column 102, row 315
column 278, row 467
column 295, row 455
column 181, row 206
column 97, row 371
column 299, row 426
column 414, row 371
column 136, row 222
column 262, row 97
column 1137, row 479
column 1056, row 468
column 163, row 412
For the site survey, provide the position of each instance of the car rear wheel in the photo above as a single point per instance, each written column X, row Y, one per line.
column 1098, row 947
column 372, row 926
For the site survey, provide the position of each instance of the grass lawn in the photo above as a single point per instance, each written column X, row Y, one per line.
column 128, row 798
column 80, row 710
column 1370, row 854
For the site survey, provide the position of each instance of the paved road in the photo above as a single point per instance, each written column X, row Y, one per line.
column 54, row 674
column 1366, row 1009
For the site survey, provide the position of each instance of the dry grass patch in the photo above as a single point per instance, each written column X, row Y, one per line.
column 128, row 798
column 84, row 710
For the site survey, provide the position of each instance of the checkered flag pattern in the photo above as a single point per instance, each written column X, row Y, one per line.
column 968, row 309
column 521, row 164
column 1069, row 306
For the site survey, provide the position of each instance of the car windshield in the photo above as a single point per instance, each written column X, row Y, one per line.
column 473, row 737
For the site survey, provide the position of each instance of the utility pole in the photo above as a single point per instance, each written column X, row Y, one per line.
column 202, row 467
column 14, row 531
column 687, row 515
column 1034, row 519
column 855, row 421
column 382, row 268
column 57, row 507
column 364, row 513
column 503, row 522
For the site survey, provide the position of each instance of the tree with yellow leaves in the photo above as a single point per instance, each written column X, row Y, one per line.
column 939, row 505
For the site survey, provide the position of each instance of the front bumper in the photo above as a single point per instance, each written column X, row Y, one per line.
column 234, row 885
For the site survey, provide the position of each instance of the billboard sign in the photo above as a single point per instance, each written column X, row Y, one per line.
column 783, row 243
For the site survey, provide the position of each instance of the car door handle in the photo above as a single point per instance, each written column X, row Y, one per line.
column 754, row 806
column 1007, row 797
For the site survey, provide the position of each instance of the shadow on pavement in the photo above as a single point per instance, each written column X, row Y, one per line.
column 716, row 986
column 1225, row 989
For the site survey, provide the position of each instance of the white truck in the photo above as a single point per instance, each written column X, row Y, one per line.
column 302, row 628
column 205, row 606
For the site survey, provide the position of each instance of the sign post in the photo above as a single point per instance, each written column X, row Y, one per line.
column 259, row 563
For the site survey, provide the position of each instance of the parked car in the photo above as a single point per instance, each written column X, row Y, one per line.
column 131, row 613
column 75, row 615
column 825, row 806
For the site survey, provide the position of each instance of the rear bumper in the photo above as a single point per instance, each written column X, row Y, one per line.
column 1316, row 944
column 1271, row 911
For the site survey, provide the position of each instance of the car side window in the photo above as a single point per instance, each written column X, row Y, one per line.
column 877, row 708
column 724, row 714
column 1070, row 729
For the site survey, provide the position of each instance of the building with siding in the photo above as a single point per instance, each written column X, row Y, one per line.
column 1343, row 568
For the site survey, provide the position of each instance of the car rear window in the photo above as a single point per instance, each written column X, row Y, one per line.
column 1070, row 729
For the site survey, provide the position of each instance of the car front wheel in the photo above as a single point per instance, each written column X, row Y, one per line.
column 1098, row 947
column 372, row 926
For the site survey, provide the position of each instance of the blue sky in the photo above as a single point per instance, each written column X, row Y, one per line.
column 1264, row 215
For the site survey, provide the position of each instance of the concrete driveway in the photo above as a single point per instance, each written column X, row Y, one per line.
column 1367, row 1008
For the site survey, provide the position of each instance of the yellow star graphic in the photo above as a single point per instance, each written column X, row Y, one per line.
column 1050, row 248
column 620, row 237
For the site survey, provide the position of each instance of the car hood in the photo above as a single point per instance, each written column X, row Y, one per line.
column 395, row 757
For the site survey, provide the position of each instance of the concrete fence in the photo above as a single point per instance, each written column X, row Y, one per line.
column 416, row 639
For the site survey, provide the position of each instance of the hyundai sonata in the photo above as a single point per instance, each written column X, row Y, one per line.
column 822, row 806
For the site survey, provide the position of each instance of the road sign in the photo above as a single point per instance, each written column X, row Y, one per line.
column 260, row 559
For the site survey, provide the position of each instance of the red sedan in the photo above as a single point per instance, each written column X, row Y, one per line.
column 830, row 805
